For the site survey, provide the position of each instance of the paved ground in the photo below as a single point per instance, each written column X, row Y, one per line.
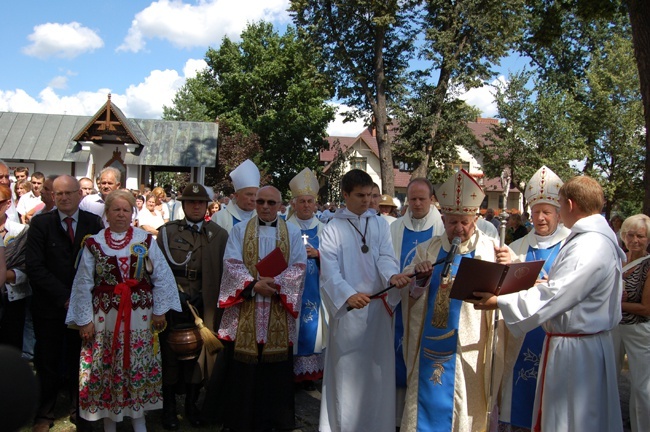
column 307, row 410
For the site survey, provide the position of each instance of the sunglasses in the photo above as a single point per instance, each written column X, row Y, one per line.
column 271, row 203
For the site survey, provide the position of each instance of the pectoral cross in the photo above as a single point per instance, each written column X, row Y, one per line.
column 304, row 239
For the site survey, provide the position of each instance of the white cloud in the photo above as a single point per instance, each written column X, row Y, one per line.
column 201, row 24
column 193, row 66
column 349, row 129
column 59, row 82
column 143, row 100
column 62, row 40
column 483, row 97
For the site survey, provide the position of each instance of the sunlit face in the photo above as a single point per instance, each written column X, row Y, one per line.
column 139, row 203
column 246, row 198
column 119, row 215
column 47, row 192
column 86, row 186
column 195, row 210
column 545, row 219
column 419, row 199
column 636, row 240
column 37, row 184
column 4, row 175
column 67, row 194
column 107, row 184
column 305, row 205
column 20, row 175
column 151, row 204
column 268, row 203
column 358, row 200
column 21, row 191
column 375, row 198
column 462, row 226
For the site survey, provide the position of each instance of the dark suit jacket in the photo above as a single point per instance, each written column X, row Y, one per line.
column 50, row 259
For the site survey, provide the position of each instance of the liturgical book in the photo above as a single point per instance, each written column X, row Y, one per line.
column 272, row 265
column 484, row 276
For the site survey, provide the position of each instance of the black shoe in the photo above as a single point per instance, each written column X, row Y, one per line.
column 169, row 418
column 192, row 412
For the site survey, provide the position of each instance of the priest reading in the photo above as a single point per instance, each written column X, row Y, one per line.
column 258, row 329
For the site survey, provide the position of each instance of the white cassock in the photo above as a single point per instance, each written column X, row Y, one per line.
column 359, row 378
column 578, row 306
column 231, row 216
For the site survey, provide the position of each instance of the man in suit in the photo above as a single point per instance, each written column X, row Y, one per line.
column 53, row 243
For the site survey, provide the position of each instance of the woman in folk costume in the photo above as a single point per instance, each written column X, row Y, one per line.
column 311, row 324
column 120, row 295
column 446, row 343
column 543, row 242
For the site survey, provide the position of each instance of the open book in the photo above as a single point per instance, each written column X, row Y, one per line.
column 476, row 275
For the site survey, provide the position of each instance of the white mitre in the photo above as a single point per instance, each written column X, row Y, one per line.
column 245, row 175
column 544, row 188
column 460, row 194
column 304, row 183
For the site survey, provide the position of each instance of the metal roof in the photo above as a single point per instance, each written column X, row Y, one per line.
column 49, row 137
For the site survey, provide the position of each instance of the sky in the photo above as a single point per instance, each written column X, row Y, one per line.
column 66, row 56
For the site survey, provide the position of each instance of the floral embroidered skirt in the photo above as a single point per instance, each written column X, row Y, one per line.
column 106, row 387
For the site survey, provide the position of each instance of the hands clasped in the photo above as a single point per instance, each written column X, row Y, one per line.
column 266, row 287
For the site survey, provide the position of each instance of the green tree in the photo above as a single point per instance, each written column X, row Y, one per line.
column 367, row 44
column 270, row 85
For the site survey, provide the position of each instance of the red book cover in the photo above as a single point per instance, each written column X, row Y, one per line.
column 272, row 265
column 484, row 276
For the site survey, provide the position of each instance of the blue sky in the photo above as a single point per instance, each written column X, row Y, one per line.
column 65, row 56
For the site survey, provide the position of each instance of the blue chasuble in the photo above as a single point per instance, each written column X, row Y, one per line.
column 310, row 307
column 410, row 241
column 438, row 348
column 524, row 380
column 235, row 221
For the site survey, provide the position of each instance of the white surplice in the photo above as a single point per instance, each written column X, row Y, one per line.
column 432, row 219
column 224, row 217
column 359, row 378
column 581, row 297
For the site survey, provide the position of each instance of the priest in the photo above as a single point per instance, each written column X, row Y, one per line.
column 246, row 180
column 311, row 324
column 543, row 242
column 446, row 341
column 258, row 328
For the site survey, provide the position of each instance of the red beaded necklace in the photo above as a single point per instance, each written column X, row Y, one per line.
column 118, row 244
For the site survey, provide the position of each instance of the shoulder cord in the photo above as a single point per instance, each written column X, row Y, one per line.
column 168, row 253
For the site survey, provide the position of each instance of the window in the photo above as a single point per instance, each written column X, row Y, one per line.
column 358, row 163
column 458, row 166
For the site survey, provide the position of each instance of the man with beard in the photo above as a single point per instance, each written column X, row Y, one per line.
column 194, row 250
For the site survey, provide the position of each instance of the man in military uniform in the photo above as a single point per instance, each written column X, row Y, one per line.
column 194, row 249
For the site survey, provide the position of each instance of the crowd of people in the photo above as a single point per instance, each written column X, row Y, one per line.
column 119, row 297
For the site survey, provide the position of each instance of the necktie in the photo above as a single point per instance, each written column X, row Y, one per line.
column 194, row 229
column 68, row 222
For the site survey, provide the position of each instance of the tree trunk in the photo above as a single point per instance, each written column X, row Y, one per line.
column 381, row 119
column 639, row 11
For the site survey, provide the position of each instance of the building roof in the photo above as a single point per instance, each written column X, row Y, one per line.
column 50, row 137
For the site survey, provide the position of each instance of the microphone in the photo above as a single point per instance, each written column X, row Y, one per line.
column 450, row 256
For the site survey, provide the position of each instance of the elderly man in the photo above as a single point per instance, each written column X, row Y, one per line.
column 53, row 243
column 246, row 180
column 109, row 180
column 311, row 327
column 421, row 222
column 445, row 340
column 577, row 307
column 262, row 300
column 87, row 186
column 543, row 242
column 194, row 250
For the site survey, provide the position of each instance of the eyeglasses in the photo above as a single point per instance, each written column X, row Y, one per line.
column 66, row 194
column 271, row 203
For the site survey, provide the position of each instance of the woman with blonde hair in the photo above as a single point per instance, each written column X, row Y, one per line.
column 632, row 336
column 121, row 292
column 161, row 204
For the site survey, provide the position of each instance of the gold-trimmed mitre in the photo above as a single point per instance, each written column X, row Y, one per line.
column 460, row 194
column 304, row 183
column 544, row 188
